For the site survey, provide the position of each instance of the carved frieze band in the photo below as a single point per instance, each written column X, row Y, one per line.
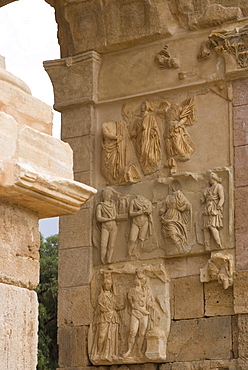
column 172, row 220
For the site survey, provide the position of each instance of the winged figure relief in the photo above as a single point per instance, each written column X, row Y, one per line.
column 179, row 144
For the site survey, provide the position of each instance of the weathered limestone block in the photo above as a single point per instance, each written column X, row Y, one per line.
column 73, row 340
column 243, row 336
column 241, row 249
column 240, row 122
column 29, row 147
column 188, row 298
column 240, row 92
column 196, row 339
column 74, row 266
column 16, row 100
column 202, row 365
column 110, row 25
column 82, row 148
column 241, row 167
column 74, row 79
column 78, row 122
column 241, row 204
column 19, row 328
column 205, row 13
column 74, row 307
column 185, row 266
column 77, row 229
column 240, row 292
column 37, row 166
column 218, row 302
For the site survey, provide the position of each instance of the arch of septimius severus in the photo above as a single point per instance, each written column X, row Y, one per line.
column 153, row 269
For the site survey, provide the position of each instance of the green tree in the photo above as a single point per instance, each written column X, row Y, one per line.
column 47, row 291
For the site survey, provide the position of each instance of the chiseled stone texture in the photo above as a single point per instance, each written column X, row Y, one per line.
column 82, row 152
column 202, row 365
column 240, row 123
column 240, row 114
column 73, row 340
column 243, row 336
column 20, row 242
column 77, row 122
column 218, row 301
column 16, row 100
column 241, row 165
column 75, row 230
column 241, row 227
column 199, row 339
column 92, row 25
column 18, row 329
column 148, row 366
column 188, row 298
column 240, row 96
column 74, row 306
column 75, row 79
column 34, row 149
column 185, row 266
column 240, row 292
column 74, row 267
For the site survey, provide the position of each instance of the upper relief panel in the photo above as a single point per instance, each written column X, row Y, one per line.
column 144, row 139
column 114, row 24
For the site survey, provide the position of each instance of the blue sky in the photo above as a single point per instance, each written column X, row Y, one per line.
column 28, row 37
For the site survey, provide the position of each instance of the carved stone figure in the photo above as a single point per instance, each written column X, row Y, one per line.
column 220, row 268
column 115, row 166
column 106, row 216
column 176, row 217
column 141, row 304
column 147, row 137
column 140, row 211
column 213, row 200
column 164, row 59
column 178, row 141
column 114, row 147
column 105, row 325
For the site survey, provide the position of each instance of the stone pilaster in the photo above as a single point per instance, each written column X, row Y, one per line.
column 75, row 82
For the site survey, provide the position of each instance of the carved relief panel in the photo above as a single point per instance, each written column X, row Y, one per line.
column 160, row 136
column 179, row 215
column 152, row 135
column 131, row 319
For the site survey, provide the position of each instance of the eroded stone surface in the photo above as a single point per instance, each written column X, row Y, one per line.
column 19, row 336
column 218, row 302
column 240, row 296
column 188, row 298
column 192, row 340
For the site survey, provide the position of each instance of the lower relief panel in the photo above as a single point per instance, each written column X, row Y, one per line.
column 131, row 319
